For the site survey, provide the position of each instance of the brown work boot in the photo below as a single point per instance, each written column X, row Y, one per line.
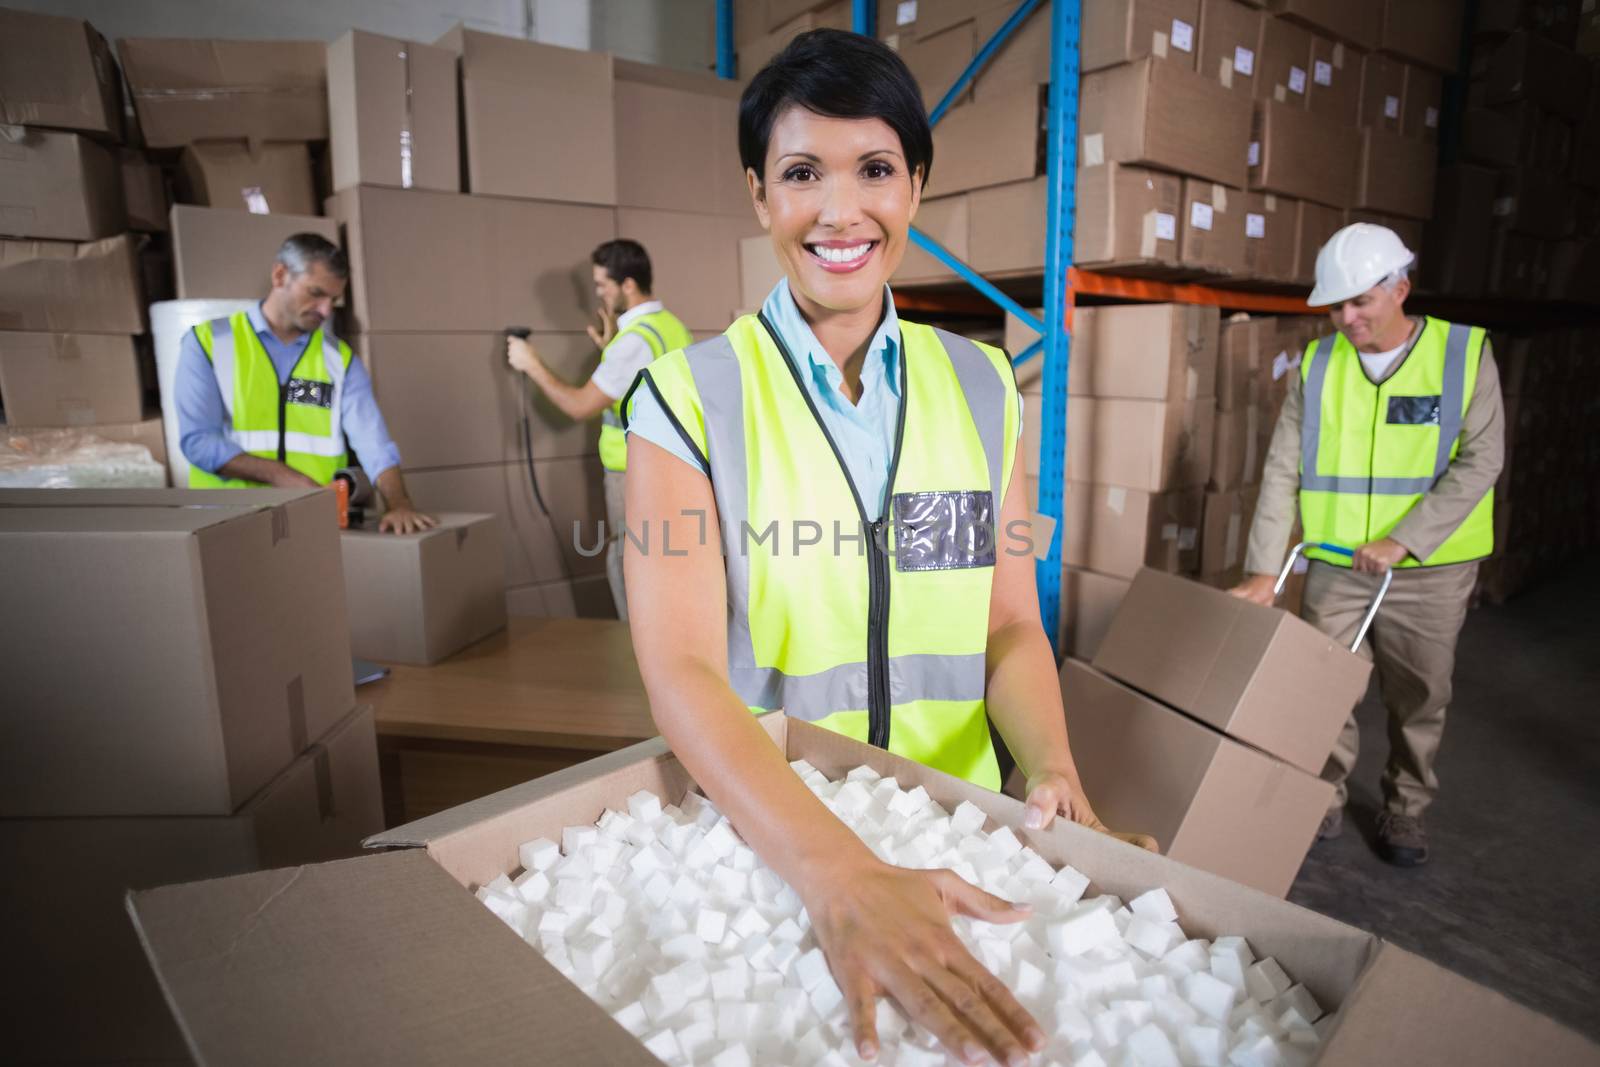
column 1332, row 825
column 1401, row 839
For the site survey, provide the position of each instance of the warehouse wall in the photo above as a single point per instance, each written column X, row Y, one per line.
column 672, row 32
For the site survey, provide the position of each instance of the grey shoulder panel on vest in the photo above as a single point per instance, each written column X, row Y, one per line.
column 986, row 399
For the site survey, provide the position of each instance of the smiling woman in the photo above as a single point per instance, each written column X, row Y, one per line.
column 874, row 572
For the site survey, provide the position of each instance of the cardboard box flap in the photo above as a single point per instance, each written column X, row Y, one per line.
column 382, row 959
column 94, row 522
column 163, row 67
column 627, row 70
column 1408, row 1010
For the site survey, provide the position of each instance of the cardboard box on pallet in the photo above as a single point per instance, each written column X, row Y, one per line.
column 1230, row 40
column 187, row 90
column 1354, row 22
column 262, row 178
column 255, row 998
column 1283, row 63
column 1116, row 531
column 1127, row 217
column 1004, row 222
column 1395, row 175
column 1424, row 103
column 520, row 98
column 694, row 274
column 1252, row 672
column 1152, row 445
column 450, row 400
column 1144, row 352
column 1335, row 88
column 222, row 253
column 91, row 995
column 1236, row 448
column 1528, row 67
column 393, row 113
column 1213, row 234
column 1383, row 92
column 1269, row 234
column 1423, row 31
column 417, row 598
column 58, row 72
column 538, row 547
column 1160, row 114
column 1293, row 152
column 1209, row 801
column 245, row 659
column 1124, row 31
column 989, row 142
column 69, row 379
column 503, row 280
column 145, row 198
column 59, row 186
column 1226, row 532
column 1316, row 224
column 677, row 141
column 1245, row 346
column 63, row 287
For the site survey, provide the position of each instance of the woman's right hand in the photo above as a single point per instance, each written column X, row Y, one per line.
column 886, row 931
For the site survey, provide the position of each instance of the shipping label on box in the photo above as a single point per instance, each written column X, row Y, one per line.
column 262, row 179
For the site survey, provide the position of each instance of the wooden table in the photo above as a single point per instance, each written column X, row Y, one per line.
column 539, row 696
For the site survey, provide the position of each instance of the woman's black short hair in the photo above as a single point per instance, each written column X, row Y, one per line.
column 842, row 76
column 624, row 259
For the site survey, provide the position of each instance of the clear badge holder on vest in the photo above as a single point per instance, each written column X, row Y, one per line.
column 1340, row 550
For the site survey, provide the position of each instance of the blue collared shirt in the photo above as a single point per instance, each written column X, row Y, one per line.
column 864, row 431
column 203, row 418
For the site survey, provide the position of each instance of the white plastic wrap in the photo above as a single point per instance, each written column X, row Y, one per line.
column 75, row 459
column 169, row 321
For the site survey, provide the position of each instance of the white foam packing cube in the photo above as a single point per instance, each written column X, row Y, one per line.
column 1154, row 905
column 1298, row 998
column 1154, row 939
column 862, row 773
column 1265, row 980
column 732, row 1056
column 1227, row 967
column 1070, row 883
column 826, row 996
column 1004, row 844
column 1234, row 946
column 1208, row 995
column 683, row 947
column 644, row 806
column 733, row 1020
column 1082, row 931
column 1259, row 1051
column 1151, row 1047
column 913, row 1056
column 574, row 839
column 1189, row 957
column 663, row 1044
column 540, row 854
column 633, row 1018
column 1089, row 1058
column 1203, row 1046
column 810, row 969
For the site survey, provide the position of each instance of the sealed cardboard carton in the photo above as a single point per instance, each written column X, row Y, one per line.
column 1116, row 531
column 243, row 660
column 417, row 598
column 1424, row 102
column 989, row 142
column 1269, row 234
column 497, row 275
column 57, row 185
column 187, row 90
column 1127, row 218
column 946, row 219
column 1335, row 88
column 144, row 192
column 1255, row 673
column 1163, row 115
column 254, row 999
column 1152, row 445
column 1396, row 175
column 1122, row 31
column 1245, row 346
column 523, row 103
column 58, row 72
column 1296, row 153
column 1209, row 801
column 69, row 379
column 222, row 253
column 677, row 141
column 1089, row 602
column 263, row 179
column 1226, row 533
column 1528, row 67
column 1236, row 457
column 1006, row 235
column 91, row 994
column 758, row 52
column 1144, row 352
column 689, row 253
column 63, row 287
column 1314, row 226
column 450, row 400
column 936, row 62
column 1213, row 228
column 1285, row 63
column 1383, row 92
column 1230, row 40
column 1023, row 60
column 393, row 113
column 1423, row 31
column 1355, row 22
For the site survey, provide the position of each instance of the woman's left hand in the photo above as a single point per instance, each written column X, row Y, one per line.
column 1051, row 793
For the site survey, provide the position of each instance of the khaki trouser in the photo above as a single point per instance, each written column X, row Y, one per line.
column 1413, row 646
column 615, row 519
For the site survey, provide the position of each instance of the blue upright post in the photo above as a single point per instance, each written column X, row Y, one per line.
column 864, row 17
column 1062, row 168
column 725, row 67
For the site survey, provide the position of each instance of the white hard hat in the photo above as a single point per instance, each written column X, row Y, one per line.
column 1354, row 260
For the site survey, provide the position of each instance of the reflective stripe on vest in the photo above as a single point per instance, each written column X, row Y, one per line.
column 808, row 637
column 1352, row 421
column 663, row 333
column 311, row 439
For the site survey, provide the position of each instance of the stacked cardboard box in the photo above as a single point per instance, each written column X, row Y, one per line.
column 71, row 299
column 1249, row 700
column 1530, row 160
column 220, row 736
column 1547, row 512
column 1140, row 415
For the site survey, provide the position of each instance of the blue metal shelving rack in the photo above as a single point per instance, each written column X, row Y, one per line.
column 1061, row 131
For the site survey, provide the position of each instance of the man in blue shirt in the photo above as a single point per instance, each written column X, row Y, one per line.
column 310, row 273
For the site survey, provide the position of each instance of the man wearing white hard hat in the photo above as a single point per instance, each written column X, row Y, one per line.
column 1390, row 447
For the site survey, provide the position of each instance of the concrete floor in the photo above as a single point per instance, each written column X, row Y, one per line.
column 1511, row 895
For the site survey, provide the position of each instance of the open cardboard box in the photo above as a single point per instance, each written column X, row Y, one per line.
column 390, row 959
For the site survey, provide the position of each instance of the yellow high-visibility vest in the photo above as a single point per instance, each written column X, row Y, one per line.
column 663, row 332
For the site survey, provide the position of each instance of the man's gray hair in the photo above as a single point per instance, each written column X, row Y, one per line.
column 1401, row 275
column 299, row 251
